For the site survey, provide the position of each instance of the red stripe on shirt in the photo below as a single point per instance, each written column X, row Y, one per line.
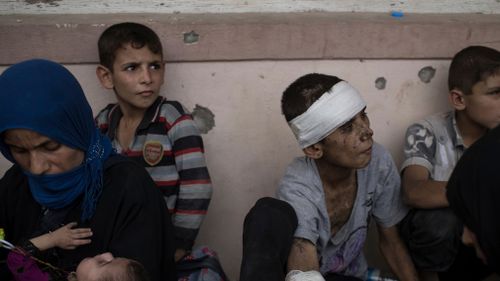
column 192, row 182
column 191, row 212
column 189, row 150
column 177, row 121
column 167, row 183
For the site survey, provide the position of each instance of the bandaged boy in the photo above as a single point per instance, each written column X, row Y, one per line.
column 344, row 180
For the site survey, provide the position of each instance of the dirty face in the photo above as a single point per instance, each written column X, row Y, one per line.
column 39, row 154
column 349, row 146
column 483, row 105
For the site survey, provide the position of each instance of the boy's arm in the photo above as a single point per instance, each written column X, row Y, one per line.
column 419, row 189
column 395, row 253
column 421, row 192
column 195, row 186
column 303, row 256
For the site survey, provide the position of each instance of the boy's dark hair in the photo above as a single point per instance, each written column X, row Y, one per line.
column 471, row 65
column 303, row 92
column 117, row 35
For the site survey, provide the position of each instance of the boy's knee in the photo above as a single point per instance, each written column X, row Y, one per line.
column 271, row 208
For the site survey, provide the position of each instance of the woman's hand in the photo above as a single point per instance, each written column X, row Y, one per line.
column 66, row 237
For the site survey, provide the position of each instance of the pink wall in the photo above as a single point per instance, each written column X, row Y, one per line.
column 250, row 145
column 238, row 69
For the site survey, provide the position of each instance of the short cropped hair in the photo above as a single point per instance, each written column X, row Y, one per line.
column 303, row 92
column 472, row 65
column 120, row 34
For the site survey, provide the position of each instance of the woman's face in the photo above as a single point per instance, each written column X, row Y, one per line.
column 100, row 267
column 39, row 154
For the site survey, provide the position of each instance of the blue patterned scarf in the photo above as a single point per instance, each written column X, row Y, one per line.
column 44, row 97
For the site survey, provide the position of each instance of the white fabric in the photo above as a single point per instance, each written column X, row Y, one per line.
column 297, row 275
column 332, row 110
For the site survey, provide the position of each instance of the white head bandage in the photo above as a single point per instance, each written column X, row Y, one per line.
column 332, row 110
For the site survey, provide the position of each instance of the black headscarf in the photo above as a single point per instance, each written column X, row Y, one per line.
column 473, row 192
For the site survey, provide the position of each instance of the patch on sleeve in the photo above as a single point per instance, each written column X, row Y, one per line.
column 152, row 152
column 420, row 141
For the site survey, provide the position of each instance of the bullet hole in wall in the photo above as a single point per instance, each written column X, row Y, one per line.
column 380, row 83
column 426, row 74
column 191, row 37
column 203, row 118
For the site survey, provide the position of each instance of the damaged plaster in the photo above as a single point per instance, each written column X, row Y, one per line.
column 50, row 2
column 426, row 74
column 380, row 83
column 191, row 37
column 203, row 118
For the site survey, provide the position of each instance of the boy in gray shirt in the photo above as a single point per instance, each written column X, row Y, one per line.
column 343, row 181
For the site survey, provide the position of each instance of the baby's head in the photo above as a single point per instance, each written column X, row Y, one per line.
column 105, row 267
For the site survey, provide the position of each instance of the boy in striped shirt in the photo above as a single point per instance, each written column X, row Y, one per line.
column 157, row 133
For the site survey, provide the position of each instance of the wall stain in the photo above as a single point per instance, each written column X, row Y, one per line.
column 380, row 83
column 203, row 118
column 426, row 74
column 404, row 91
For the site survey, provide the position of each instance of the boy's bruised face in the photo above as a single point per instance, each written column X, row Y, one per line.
column 483, row 105
column 349, row 146
column 137, row 77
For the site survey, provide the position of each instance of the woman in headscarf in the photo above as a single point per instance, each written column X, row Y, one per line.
column 65, row 171
column 473, row 192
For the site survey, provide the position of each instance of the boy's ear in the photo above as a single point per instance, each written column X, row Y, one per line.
column 457, row 99
column 105, row 76
column 314, row 151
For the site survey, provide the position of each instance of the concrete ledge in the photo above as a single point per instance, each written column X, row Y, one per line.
column 262, row 36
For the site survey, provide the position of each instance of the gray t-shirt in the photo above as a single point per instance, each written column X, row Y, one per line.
column 378, row 196
column 434, row 143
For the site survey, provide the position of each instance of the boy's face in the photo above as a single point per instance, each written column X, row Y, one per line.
column 483, row 105
column 136, row 77
column 349, row 146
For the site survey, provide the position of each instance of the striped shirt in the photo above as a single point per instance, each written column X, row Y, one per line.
column 168, row 144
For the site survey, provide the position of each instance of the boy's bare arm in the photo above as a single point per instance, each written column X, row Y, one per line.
column 303, row 256
column 396, row 253
column 421, row 192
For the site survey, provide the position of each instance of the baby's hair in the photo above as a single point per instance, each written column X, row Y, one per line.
column 303, row 92
column 471, row 65
column 120, row 34
column 134, row 271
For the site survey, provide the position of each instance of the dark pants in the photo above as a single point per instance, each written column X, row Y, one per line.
column 267, row 238
column 433, row 238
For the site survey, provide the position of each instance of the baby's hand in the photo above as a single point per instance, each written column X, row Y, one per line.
column 69, row 238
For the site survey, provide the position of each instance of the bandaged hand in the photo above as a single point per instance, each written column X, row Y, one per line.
column 297, row 275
